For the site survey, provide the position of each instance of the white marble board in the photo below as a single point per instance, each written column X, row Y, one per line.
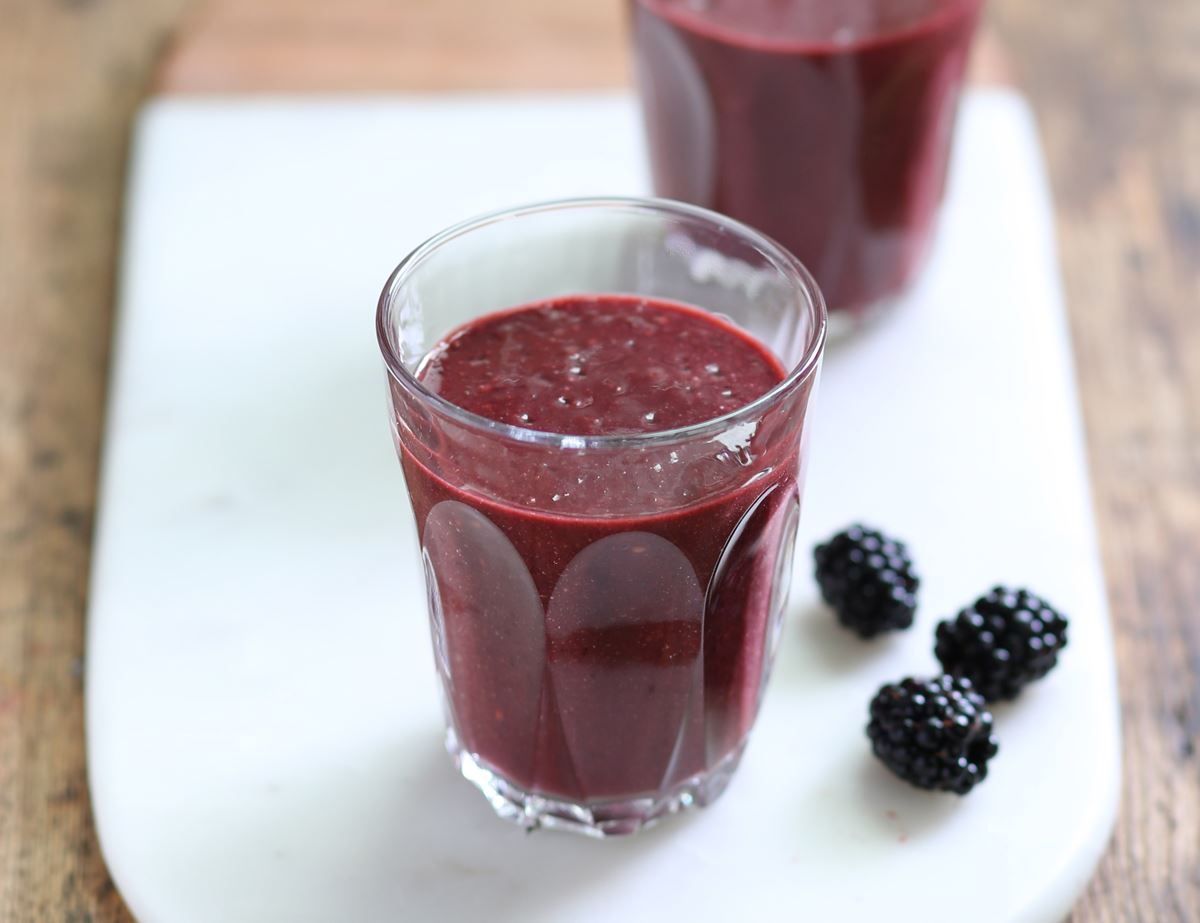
column 264, row 734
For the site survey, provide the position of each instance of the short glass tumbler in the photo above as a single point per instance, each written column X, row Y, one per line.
column 605, row 610
column 824, row 123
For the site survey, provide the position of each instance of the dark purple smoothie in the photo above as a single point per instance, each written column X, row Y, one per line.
column 825, row 124
column 588, row 652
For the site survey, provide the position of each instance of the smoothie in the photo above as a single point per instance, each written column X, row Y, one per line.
column 825, row 124
column 603, row 633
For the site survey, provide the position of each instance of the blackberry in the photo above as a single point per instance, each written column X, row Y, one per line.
column 936, row 734
column 1004, row 641
column 868, row 579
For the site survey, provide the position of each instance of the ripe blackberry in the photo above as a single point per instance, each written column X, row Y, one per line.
column 936, row 734
column 1007, row 639
column 868, row 579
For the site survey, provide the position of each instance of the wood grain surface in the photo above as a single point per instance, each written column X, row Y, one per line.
column 1116, row 84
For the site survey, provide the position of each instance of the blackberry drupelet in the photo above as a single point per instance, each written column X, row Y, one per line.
column 868, row 579
column 1004, row 641
column 935, row 734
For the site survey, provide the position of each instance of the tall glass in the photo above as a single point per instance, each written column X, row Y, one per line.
column 824, row 123
column 604, row 609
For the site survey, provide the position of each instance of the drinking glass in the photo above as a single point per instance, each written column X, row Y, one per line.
column 826, row 124
column 605, row 609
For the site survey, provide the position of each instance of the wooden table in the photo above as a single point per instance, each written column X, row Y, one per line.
column 1116, row 84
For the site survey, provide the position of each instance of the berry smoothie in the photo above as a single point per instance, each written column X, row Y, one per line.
column 603, row 629
column 826, row 124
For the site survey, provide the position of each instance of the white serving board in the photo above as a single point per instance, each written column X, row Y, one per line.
column 264, row 734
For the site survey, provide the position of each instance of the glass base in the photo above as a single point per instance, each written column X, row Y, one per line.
column 596, row 818
column 844, row 323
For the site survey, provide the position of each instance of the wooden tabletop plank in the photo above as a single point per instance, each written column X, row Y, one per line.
column 71, row 75
column 1116, row 84
column 381, row 45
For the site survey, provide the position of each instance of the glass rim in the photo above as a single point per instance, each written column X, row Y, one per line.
column 780, row 258
column 808, row 44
